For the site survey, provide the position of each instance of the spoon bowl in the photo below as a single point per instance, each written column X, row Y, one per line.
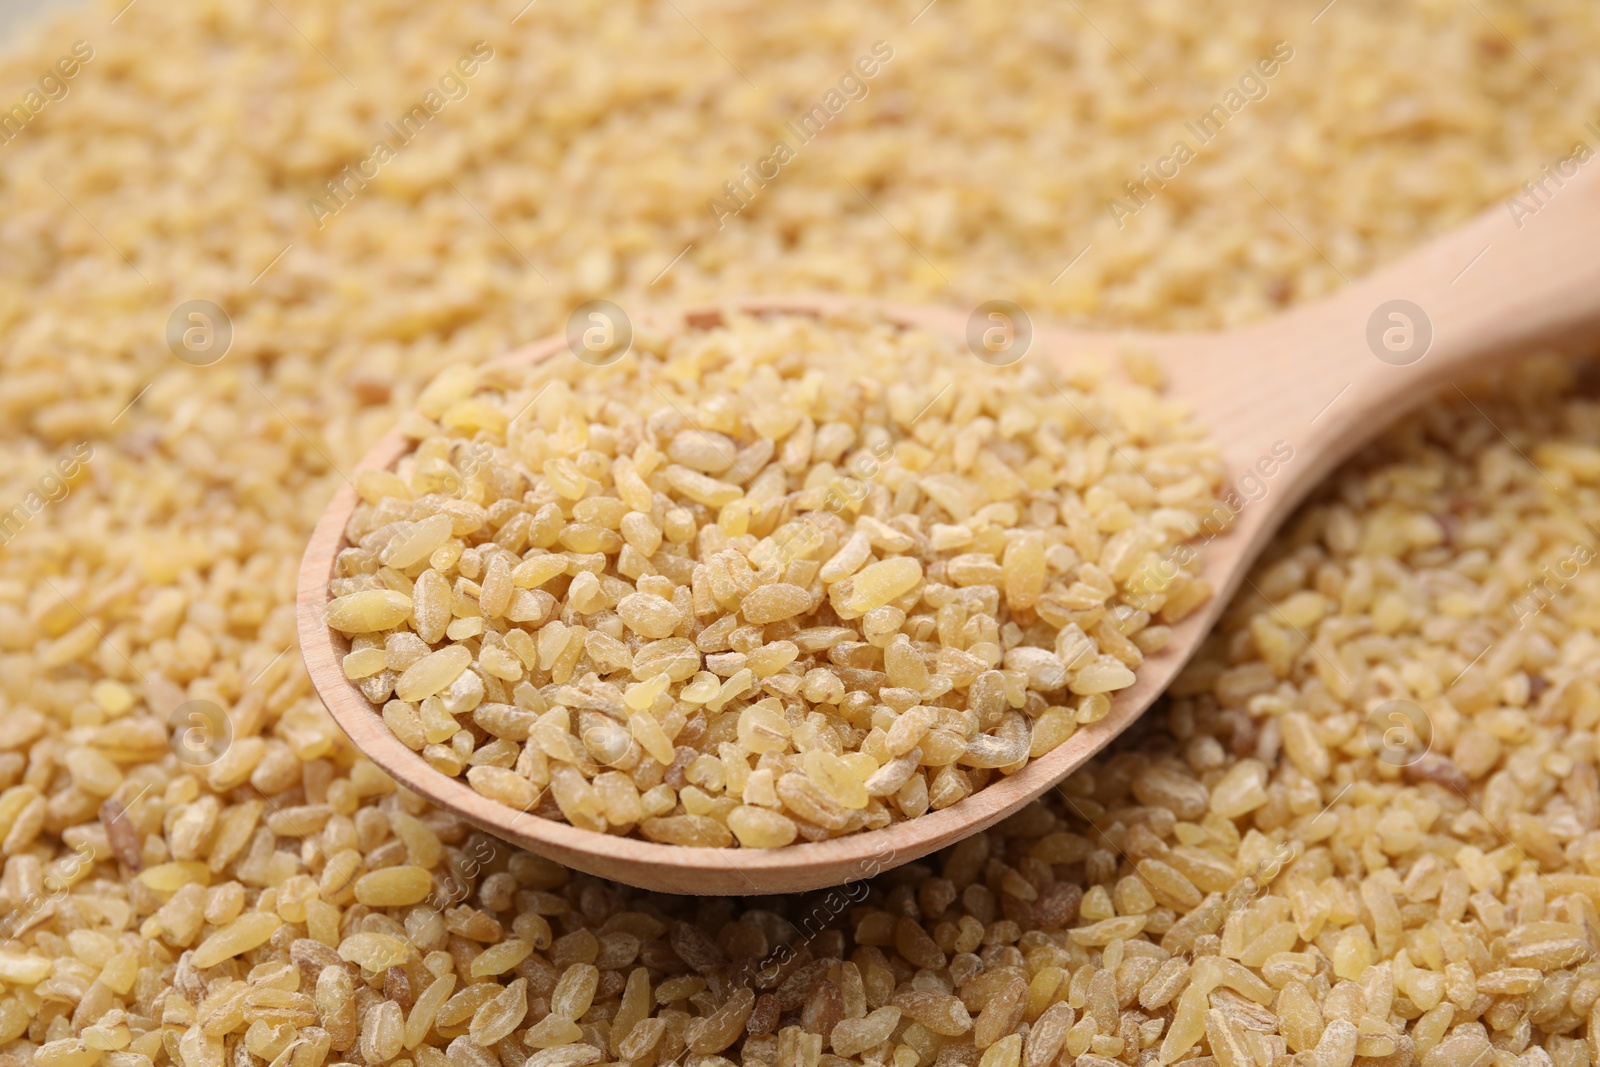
column 1285, row 400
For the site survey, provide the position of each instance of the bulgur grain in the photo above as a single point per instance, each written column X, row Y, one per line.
column 794, row 548
column 179, row 541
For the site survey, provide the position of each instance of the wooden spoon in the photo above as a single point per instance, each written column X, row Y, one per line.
column 1286, row 399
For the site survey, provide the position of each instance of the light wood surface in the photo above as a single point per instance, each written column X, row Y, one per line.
column 1307, row 381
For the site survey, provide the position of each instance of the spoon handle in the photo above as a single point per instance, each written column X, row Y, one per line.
column 1524, row 274
column 1326, row 377
column 1290, row 398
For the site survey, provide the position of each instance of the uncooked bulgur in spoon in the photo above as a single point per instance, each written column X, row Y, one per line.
column 779, row 579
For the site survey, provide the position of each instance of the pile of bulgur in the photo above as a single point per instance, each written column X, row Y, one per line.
column 1248, row 882
column 782, row 578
